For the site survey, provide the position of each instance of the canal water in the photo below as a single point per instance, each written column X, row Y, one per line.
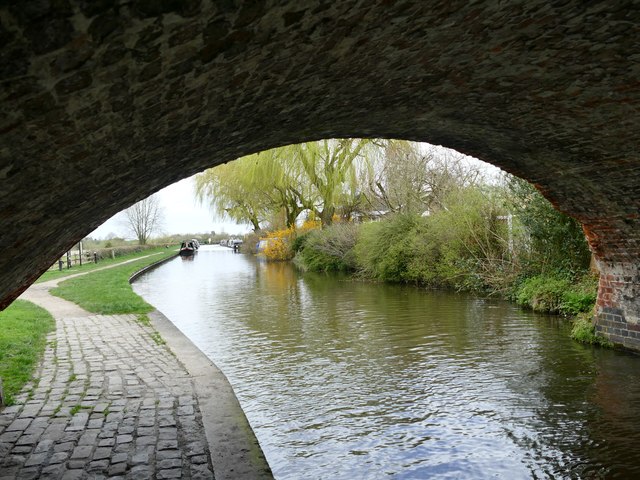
column 349, row 380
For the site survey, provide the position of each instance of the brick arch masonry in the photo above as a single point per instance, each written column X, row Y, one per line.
column 105, row 102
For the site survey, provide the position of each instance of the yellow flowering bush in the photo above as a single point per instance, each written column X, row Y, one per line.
column 308, row 225
column 277, row 245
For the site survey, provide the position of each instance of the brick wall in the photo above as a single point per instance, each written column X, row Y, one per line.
column 617, row 308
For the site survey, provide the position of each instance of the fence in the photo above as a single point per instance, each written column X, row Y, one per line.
column 75, row 258
column 80, row 256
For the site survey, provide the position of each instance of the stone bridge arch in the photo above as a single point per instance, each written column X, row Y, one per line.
column 104, row 103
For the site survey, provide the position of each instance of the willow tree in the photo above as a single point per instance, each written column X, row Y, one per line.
column 283, row 182
column 232, row 194
column 256, row 188
column 331, row 170
column 280, row 175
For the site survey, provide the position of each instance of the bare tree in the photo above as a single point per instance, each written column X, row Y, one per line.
column 402, row 178
column 144, row 218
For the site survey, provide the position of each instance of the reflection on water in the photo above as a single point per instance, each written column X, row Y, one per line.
column 344, row 380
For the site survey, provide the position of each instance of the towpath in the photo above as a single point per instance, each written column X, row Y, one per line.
column 115, row 398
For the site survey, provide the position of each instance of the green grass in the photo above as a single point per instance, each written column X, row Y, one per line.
column 88, row 267
column 144, row 320
column 108, row 291
column 23, row 330
column 584, row 331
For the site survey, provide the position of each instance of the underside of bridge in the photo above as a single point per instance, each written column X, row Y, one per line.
column 106, row 102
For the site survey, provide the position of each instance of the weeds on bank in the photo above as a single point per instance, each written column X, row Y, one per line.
column 155, row 336
column 584, row 331
column 33, row 387
column 556, row 294
column 143, row 319
column 23, row 330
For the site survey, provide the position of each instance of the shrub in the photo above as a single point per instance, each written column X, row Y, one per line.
column 309, row 225
column 384, row 249
column 553, row 242
column 544, row 293
column 278, row 245
column 575, row 301
column 330, row 249
column 424, row 266
column 300, row 242
column 463, row 246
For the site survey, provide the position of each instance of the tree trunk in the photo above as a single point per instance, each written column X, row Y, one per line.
column 326, row 216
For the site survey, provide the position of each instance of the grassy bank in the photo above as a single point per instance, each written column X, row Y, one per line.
column 584, row 331
column 557, row 294
column 23, row 330
column 459, row 249
column 409, row 250
column 574, row 299
column 88, row 267
column 108, row 291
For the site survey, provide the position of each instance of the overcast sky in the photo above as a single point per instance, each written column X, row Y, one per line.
column 182, row 214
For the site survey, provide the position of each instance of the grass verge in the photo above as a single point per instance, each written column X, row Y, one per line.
column 88, row 267
column 550, row 294
column 584, row 331
column 108, row 291
column 23, row 330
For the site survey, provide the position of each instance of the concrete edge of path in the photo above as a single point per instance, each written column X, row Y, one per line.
column 235, row 451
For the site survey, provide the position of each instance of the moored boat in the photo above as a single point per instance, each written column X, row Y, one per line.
column 187, row 249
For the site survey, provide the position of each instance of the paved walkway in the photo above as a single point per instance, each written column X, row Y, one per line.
column 112, row 400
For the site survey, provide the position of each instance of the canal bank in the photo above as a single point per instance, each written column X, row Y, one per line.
column 235, row 451
column 111, row 398
column 234, row 448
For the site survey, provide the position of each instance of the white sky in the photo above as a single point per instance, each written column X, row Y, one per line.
column 182, row 214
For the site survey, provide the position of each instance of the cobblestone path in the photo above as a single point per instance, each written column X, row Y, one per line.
column 111, row 401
